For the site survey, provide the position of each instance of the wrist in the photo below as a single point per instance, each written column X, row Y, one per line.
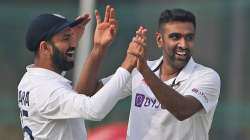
column 143, row 67
column 128, row 67
column 99, row 46
column 98, row 51
column 129, row 63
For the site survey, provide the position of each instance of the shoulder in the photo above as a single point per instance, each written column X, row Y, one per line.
column 41, row 87
column 204, row 72
column 152, row 64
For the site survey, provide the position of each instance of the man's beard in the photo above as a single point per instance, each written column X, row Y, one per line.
column 178, row 63
column 60, row 60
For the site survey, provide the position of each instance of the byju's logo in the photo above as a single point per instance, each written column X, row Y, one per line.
column 144, row 101
column 139, row 98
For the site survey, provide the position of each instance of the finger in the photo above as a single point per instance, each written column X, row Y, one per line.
column 144, row 31
column 139, row 29
column 143, row 41
column 142, row 34
column 140, row 41
column 112, row 13
column 142, row 37
column 139, row 32
column 136, row 39
column 98, row 17
column 107, row 13
column 113, row 22
column 141, row 53
column 112, row 30
column 141, row 44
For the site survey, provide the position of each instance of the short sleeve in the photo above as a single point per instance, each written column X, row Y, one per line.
column 206, row 89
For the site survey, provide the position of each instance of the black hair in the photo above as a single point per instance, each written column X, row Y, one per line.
column 176, row 15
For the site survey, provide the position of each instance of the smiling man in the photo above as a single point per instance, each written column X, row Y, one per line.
column 50, row 108
column 185, row 92
column 173, row 98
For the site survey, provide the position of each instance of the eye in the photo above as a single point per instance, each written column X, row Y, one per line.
column 189, row 37
column 66, row 38
column 175, row 36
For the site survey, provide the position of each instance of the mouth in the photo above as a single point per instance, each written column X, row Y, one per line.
column 70, row 53
column 182, row 54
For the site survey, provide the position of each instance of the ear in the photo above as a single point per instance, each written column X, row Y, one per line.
column 159, row 39
column 44, row 48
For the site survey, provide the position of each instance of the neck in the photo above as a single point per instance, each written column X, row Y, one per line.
column 167, row 71
column 46, row 64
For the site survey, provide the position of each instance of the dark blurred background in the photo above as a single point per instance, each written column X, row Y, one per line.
column 221, row 43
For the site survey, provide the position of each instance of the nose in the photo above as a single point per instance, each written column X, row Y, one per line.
column 182, row 43
column 73, row 42
column 74, row 39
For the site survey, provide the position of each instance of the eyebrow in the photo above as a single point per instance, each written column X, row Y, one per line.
column 181, row 33
column 66, row 35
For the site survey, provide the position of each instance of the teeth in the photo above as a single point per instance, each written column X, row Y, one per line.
column 70, row 52
column 181, row 53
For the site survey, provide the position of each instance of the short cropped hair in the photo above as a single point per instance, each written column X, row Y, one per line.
column 180, row 15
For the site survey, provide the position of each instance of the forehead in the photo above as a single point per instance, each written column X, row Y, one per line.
column 178, row 27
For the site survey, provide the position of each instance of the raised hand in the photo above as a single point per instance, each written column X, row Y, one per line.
column 141, row 39
column 78, row 30
column 136, row 50
column 105, row 30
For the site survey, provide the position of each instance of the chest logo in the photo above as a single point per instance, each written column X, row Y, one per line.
column 143, row 101
column 139, row 98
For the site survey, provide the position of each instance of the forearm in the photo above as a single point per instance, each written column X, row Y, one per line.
column 170, row 99
column 87, row 83
column 104, row 100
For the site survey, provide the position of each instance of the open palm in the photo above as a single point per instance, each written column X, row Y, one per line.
column 105, row 30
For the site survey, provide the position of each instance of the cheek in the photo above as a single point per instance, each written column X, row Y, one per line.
column 168, row 49
column 169, row 45
column 63, row 47
column 190, row 44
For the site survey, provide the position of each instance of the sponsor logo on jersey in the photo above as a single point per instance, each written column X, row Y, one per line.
column 143, row 101
column 200, row 93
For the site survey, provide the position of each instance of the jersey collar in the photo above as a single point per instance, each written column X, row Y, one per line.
column 157, row 64
column 46, row 73
column 185, row 72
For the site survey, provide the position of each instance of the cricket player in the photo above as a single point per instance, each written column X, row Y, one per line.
column 173, row 98
column 50, row 108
